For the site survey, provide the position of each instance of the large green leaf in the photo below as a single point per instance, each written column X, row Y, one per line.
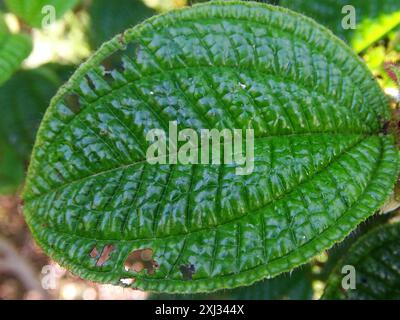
column 14, row 48
column 109, row 18
column 321, row 164
column 23, row 100
column 34, row 11
column 376, row 261
column 374, row 18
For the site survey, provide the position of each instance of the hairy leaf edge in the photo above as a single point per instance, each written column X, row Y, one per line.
column 246, row 277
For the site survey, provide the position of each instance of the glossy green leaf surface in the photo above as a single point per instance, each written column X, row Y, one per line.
column 321, row 164
column 376, row 261
column 14, row 48
column 23, row 101
column 104, row 25
column 374, row 18
column 34, row 11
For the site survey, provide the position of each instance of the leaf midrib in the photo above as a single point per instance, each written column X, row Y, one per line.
column 142, row 161
column 87, row 109
column 116, row 272
column 283, row 195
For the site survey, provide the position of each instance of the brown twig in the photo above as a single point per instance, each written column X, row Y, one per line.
column 12, row 262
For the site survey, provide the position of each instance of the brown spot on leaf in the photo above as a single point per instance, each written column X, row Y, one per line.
column 188, row 271
column 94, row 253
column 141, row 259
column 105, row 255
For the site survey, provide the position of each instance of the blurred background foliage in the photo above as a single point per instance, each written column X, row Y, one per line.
column 39, row 50
column 374, row 18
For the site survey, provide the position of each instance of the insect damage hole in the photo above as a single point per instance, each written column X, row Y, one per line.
column 113, row 62
column 103, row 257
column 94, row 253
column 187, row 271
column 127, row 281
column 72, row 101
column 139, row 260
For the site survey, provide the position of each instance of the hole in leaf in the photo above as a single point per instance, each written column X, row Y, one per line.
column 105, row 255
column 141, row 259
column 90, row 82
column 94, row 253
column 113, row 62
column 127, row 281
column 187, row 271
column 72, row 102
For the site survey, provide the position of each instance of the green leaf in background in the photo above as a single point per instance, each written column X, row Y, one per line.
column 296, row 285
column 33, row 12
column 333, row 256
column 23, row 100
column 322, row 166
column 108, row 18
column 14, row 48
column 374, row 18
column 11, row 168
column 376, row 259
